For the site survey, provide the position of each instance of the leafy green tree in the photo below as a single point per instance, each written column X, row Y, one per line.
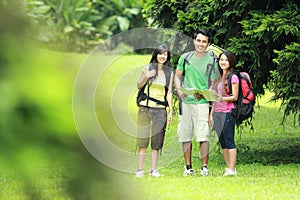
column 263, row 34
column 79, row 25
column 119, row 15
column 286, row 78
column 67, row 24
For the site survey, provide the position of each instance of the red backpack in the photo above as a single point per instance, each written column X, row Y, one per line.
column 244, row 106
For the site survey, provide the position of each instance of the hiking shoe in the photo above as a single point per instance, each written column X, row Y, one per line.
column 155, row 173
column 204, row 171
column 139, row 173
column 188, row 172
column 229, row 172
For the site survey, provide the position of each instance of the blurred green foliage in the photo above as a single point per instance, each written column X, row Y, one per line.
column 80, row 25
column 37, row 133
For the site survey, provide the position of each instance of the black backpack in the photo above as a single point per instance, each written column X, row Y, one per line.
column 141, row 95
column 244, row 106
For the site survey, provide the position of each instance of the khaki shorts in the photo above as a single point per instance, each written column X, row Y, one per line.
column 194, row 120
column 151, row 126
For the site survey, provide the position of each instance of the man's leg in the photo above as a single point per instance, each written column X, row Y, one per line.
column 187, row 152
column 201, row 128
column 204, row 149
column 185, row 136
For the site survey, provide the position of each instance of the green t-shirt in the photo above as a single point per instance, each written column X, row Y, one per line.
column 195, row 75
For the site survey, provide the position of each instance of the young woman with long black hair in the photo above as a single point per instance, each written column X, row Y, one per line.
column 157, row 78
column 221, row 117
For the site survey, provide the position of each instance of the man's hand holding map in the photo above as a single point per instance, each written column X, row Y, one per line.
column 209, row 95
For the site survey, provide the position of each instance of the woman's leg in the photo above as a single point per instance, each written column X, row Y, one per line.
column 154, row 158
column 229, row 131
column 159, row 120
column 219, row 126
column 141, row 157
column 231, row 159
column 143, row 134
column 226, row 157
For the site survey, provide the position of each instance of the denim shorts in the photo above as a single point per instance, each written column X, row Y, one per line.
column 151, row 124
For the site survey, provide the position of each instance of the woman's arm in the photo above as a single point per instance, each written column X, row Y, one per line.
column 210, row 118
column 144, row 77
column 235, row 94
column 170, row 99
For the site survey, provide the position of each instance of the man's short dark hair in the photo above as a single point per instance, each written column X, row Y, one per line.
column 203, row 32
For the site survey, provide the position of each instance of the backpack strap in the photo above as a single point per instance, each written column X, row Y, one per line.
column 168, row 75
column 148, row 92
column 186, row 60
column 210, row 66
column 229, row 76
column 148, row 97
column 246, row 78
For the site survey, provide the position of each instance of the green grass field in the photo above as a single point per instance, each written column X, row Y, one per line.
column 267, row 164
column 268, row 159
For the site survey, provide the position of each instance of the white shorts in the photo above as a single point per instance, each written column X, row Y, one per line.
column 194, row 120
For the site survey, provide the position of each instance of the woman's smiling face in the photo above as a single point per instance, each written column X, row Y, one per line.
column 161, row 58
column 224, row 62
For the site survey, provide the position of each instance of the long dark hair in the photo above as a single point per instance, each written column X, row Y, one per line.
column 232, row 61
column 167, row 65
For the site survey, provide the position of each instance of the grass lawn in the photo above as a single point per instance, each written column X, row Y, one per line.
column 267, row 163
column 268, row 158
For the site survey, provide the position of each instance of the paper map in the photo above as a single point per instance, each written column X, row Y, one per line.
column 210, row 95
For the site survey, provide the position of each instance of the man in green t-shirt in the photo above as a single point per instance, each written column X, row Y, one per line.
column 195, row 108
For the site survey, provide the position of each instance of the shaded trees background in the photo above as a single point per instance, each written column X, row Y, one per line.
column 264, row 35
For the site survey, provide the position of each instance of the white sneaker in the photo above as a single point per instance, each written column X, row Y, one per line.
column 188, row 172
column 139, row 173
column 204, row 171
column 155, row 173
column 229, row 172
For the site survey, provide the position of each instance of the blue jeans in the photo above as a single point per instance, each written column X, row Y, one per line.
column 224, row 124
